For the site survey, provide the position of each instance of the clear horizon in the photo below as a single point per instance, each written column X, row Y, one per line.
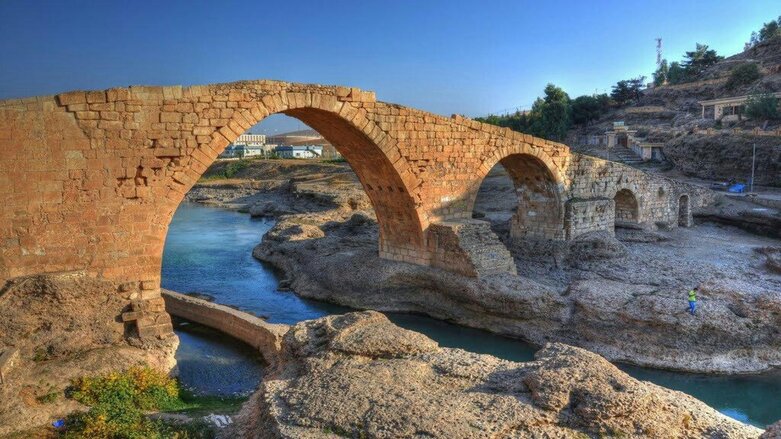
column 442, row 57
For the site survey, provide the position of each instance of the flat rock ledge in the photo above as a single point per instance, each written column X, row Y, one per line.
column 359, row 375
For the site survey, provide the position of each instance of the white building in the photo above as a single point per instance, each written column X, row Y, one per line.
column 250, row 139
column 248, row 145
column 299, row 151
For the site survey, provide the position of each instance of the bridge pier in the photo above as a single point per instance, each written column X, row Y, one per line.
column 468, row 247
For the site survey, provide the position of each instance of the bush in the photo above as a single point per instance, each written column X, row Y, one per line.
column 234, row 168
column 117, row 403
column 742, row 75
column 762, row 107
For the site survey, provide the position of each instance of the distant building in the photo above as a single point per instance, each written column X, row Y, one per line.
column 622, row 136
column 299, row 151
column 305, row 137
column 250, row 139
column 248, row 145
column 726, row 109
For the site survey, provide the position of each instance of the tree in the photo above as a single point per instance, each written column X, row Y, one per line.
column 661, row 73
column 588, row 108
column 697, row 61
column 676, row 74
column 636, row 87
column 762, row 106
column 551, row 116
column 622, row 92
column 585, row 109
column 770, row 30
column 742, row 75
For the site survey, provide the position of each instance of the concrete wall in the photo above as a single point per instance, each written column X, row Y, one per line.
column 256, row 332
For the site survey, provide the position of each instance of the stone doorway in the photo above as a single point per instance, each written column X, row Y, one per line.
column 627, row 209
column 684, row 212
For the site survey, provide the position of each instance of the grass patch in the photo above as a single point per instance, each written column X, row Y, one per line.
column 118, row 402
column 48, row 398
column 228, row 171
column 205, row 404
column 335, row 160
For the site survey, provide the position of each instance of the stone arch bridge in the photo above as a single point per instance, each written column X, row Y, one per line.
column 91, row 179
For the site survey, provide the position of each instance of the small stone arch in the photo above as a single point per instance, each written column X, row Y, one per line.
column 684, row 211
column 538, row 186
column 627, row 207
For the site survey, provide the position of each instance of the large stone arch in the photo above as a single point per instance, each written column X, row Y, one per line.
column 371, row 153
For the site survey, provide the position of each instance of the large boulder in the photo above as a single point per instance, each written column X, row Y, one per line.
column 358, row 375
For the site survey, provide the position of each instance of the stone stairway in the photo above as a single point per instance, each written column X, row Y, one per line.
column 625, row 155
column 471, row 247
column 618, row 154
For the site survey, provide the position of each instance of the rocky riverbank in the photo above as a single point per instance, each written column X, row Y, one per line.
column 63, row 326
column 358, row 375
column 623, row 298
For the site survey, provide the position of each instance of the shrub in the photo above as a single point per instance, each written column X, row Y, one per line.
column 117, row 403
column 762, row 106
column 234, row 168
column 742, row 75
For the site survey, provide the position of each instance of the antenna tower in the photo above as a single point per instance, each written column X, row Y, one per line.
column 659, row 60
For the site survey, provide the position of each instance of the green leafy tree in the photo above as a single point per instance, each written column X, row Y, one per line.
column 589, row 108
column 742, row 75
column 661, row 73
column 676, row 74
column 636, row 87
column 551, row 116
column 697, row 61
column 762, row 106
column 769, row 30
column 622, row 92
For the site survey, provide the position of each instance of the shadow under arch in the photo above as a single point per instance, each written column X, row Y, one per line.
column 539, row 190
column 627, row 207
column 540, row 212
column 370, row 152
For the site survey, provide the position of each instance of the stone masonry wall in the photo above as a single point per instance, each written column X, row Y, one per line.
column 91, row 179
column 585, row 216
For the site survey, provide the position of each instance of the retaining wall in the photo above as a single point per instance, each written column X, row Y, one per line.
column 256, row 332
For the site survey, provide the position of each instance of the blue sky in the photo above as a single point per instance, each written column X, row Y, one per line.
column 468, row 57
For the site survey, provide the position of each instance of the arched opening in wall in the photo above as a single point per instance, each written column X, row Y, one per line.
column 496, row 201
column 626, row 208
column 299, row 214
column 520, row 198
column 684, row 214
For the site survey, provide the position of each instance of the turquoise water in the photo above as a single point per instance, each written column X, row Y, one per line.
column 208, row 251
column 212, row 364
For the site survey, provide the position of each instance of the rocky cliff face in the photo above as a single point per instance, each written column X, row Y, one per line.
column 358, row 375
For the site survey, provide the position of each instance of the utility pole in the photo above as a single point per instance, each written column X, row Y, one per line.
column 753, row 161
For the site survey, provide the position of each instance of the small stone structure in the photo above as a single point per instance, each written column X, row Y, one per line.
column 91, row 179
column 256, row 332
column 726, row 109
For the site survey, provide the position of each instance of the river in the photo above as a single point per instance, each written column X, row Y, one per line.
column 209, row 251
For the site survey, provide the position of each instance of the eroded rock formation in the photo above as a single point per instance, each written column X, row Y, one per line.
column 359, row 375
